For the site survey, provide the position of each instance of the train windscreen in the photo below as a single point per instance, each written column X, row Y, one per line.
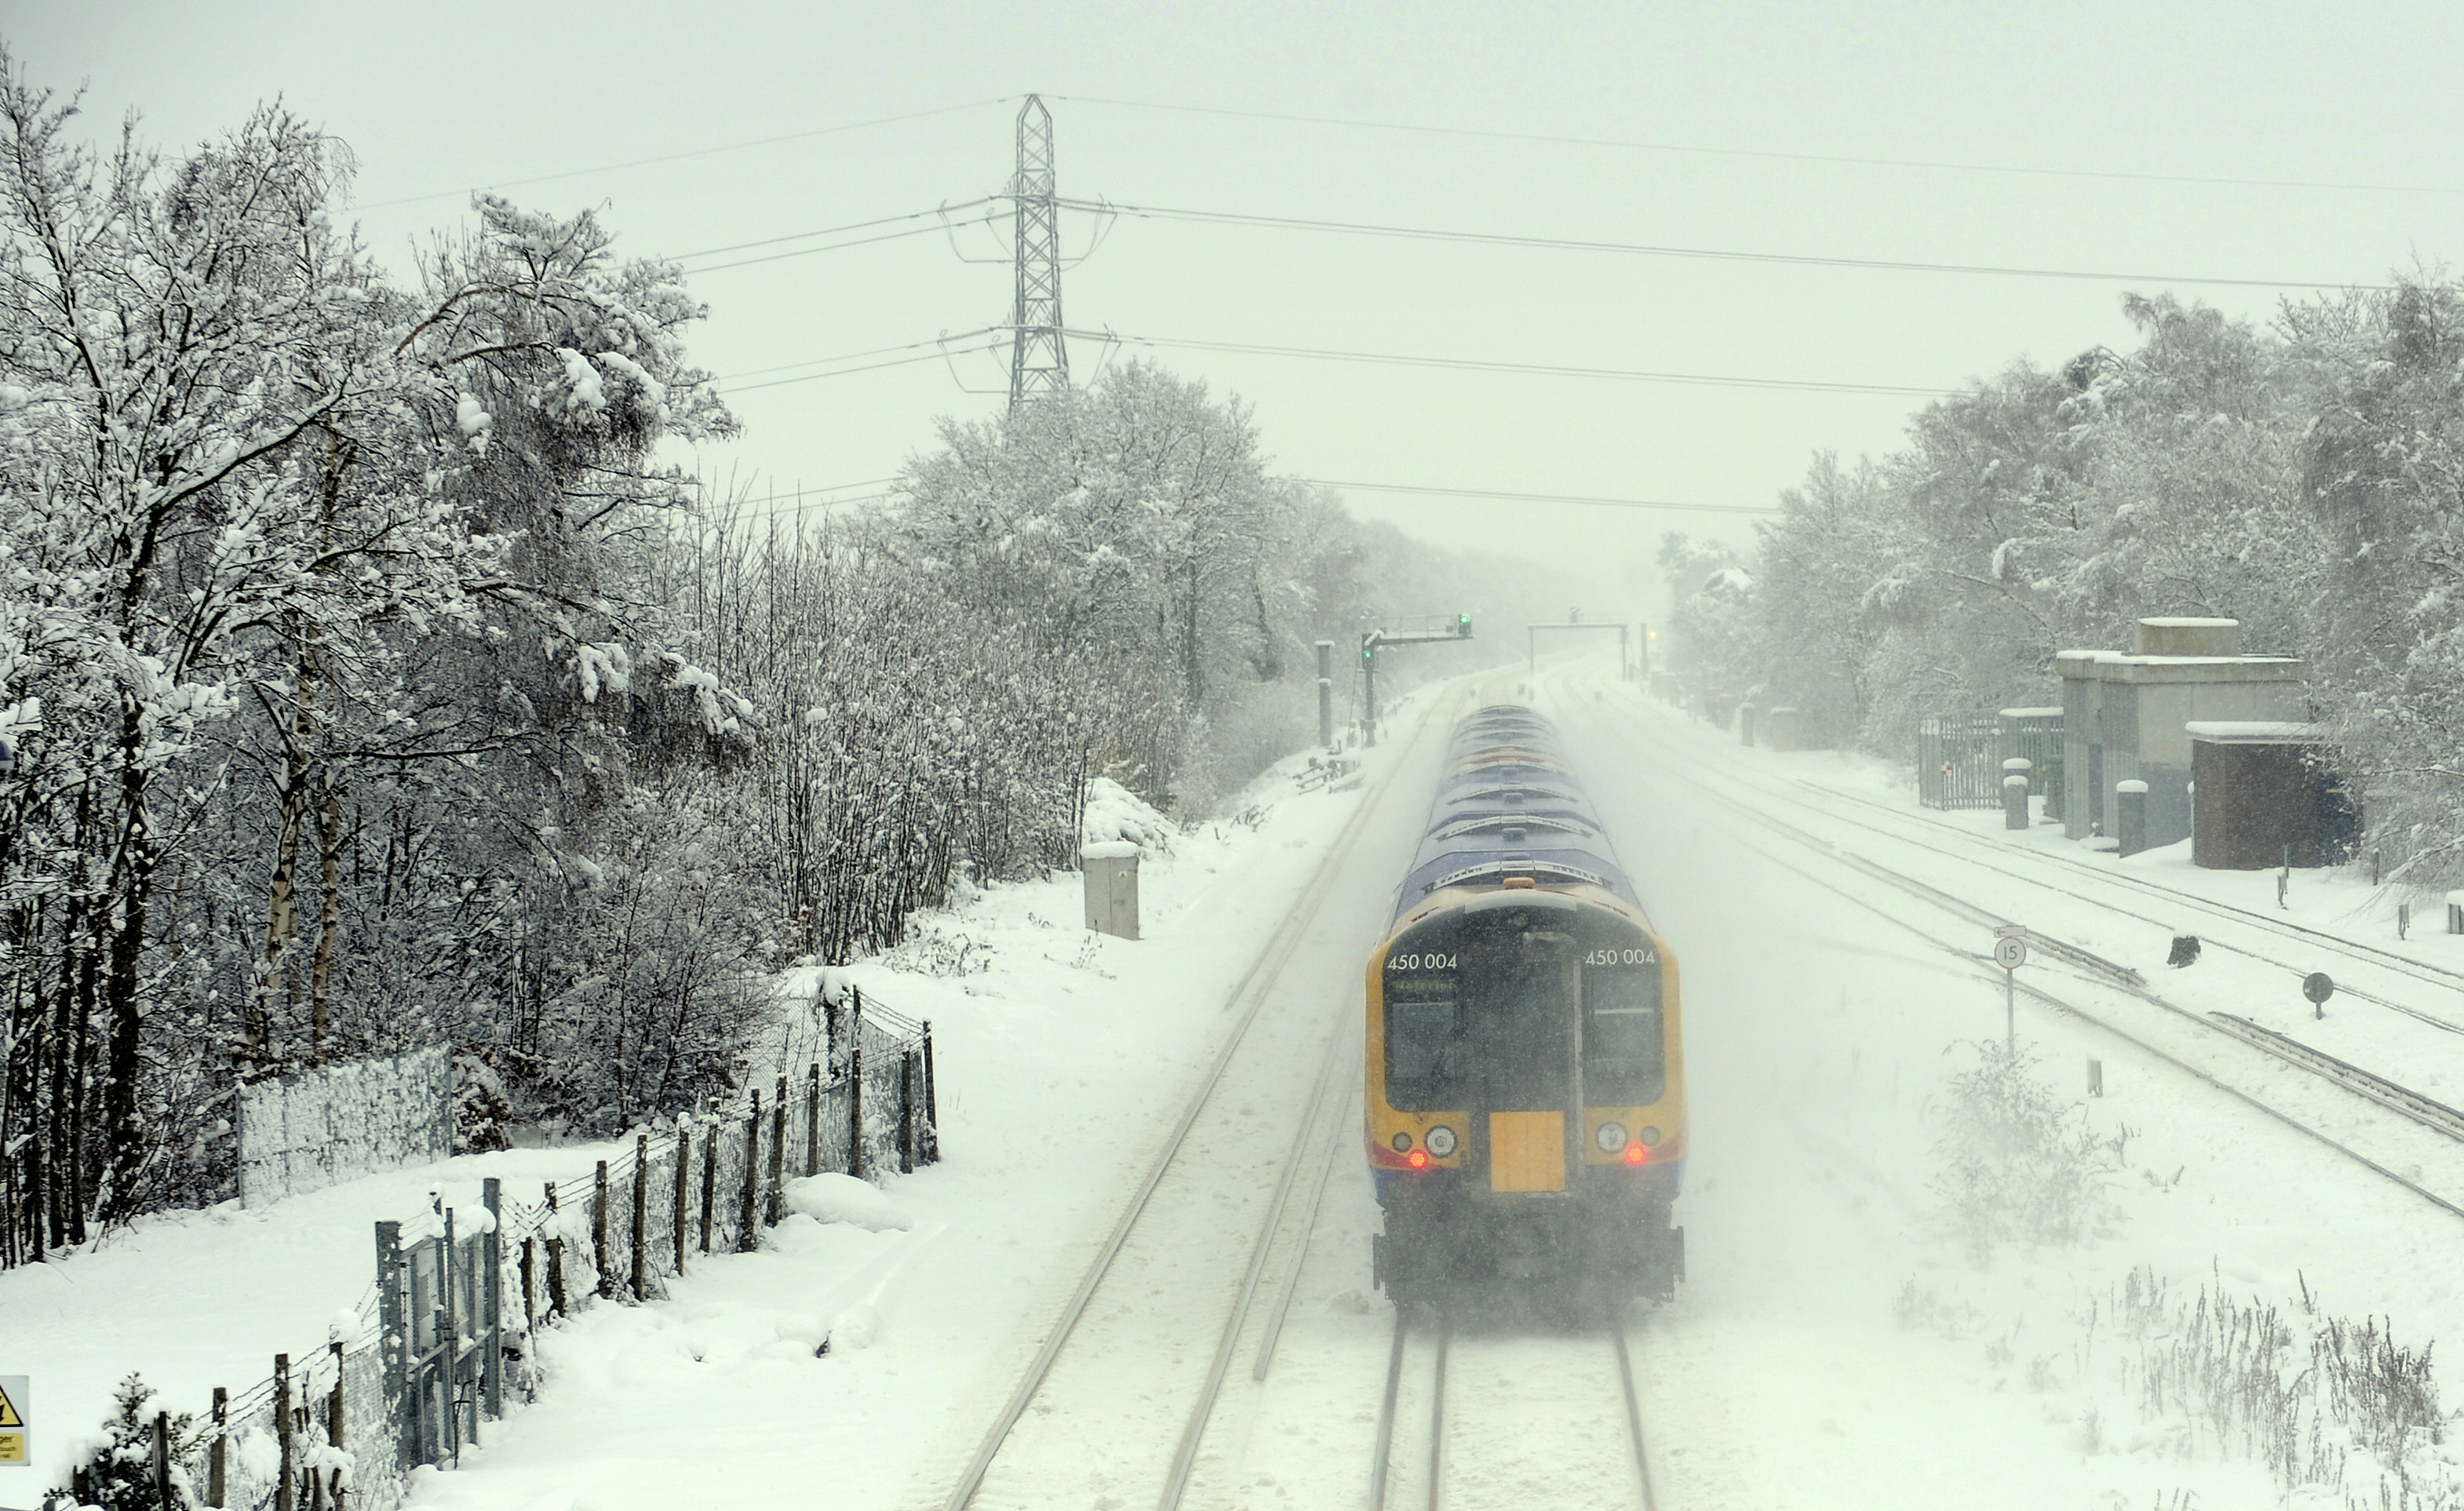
column 1476, row 1016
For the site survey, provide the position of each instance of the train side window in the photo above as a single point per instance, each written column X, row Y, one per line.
column 1623, row 1060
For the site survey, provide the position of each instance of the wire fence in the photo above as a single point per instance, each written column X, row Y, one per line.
column 445, row 1332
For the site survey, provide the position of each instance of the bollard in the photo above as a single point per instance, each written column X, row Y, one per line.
column 2095, row 1077
column 2015, row 801
column 2455, row 913
column 2024, row 767
column 2402, row 918
column 2131, row 816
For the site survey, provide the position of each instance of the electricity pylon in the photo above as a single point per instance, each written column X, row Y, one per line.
column 1038, row 359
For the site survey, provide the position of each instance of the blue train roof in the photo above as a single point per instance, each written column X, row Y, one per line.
column 1509, row 805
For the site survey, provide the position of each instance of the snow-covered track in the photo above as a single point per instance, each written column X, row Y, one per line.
column 2415, row 1109
column 2107, row 879
column 1550, row 1368
column 1248, row 996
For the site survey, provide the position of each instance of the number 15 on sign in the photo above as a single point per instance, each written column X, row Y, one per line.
column 2010, row 953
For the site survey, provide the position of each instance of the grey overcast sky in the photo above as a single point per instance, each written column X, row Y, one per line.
column 2119, row 126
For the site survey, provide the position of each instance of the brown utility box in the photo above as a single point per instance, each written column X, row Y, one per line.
column 2258, row 789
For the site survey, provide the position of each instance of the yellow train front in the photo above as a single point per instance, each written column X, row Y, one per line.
column 1526, row 1105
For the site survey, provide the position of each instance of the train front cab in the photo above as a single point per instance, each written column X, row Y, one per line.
column 1526, row 1106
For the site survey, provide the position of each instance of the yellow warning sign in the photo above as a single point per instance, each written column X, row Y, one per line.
column 9, row 1417
column 13, row 1448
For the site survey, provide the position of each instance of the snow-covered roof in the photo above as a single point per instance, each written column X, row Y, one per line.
column 2256, row 731
column 2031, row 713
column 2193, row 623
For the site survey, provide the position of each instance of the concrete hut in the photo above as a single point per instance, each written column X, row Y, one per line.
column 2125, row 716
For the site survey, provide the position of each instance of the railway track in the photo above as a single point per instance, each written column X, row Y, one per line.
column 1135, row 1262
column 1496, row 1478
column 2416, row 1109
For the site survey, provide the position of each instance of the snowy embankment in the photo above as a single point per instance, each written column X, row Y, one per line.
column 1060, row 1052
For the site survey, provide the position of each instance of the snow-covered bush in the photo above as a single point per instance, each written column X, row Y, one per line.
column 118, row 1474
column 2016, row 1165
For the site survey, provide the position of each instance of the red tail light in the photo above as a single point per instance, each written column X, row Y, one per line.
column 1418, row 1159
column 1635, row 1153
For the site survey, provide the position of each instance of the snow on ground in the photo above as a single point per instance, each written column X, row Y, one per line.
column 1837, row 1344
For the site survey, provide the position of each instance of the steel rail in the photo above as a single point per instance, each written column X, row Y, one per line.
column 1437, row 1417
column 1252, row 988
column 1300, row 1254
column 1184, row 1460
column 2422, row 969
column 1986, row 855
column 1382, row 1455
column 1633, row 1416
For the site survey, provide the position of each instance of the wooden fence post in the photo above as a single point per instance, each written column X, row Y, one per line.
column 334, row 1426
column 776, row 1204
column 709, row 1180
column 641, row 1215
column 530, row 1285
column 684, row 1186
column 813, row 1120
column 218, row 1462
column 599, row 1230
column 162, row 1459
column 749, row 1237
column 285, row 1495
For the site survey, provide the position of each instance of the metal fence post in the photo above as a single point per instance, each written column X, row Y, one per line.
column 749, row 1237
column 599, row 1230
column 684, row 1186
column 709, row 1180
column 285, row 1496
column 777, row 1154
column 855, row 1091
column 813, row 1120
column 907, row 1113
column 493, row 1195
column 641, row 1216
column 334, row 1426
column 393, row 1331
column 932, row 1103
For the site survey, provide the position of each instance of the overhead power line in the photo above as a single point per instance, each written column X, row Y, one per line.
column 831, row 231
column 1940, row 165
column 1539, row 498
column 837, row 246
column 1637, row 249
column 937, row 355
column 697, row 152
column 849, row 357
column 1529, row 370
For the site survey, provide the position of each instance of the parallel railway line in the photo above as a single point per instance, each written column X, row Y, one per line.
column 2380, row 1091
column 1446, row 1409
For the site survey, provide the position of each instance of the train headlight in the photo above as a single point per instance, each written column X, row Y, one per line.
column 1611, row 1137
column 1650, row 1138
column 1402, row 1142
column 1441, row 1141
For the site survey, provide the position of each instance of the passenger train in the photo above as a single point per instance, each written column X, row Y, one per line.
column 1526, row 1096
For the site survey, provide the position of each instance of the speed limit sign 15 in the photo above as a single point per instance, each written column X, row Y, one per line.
column 2009, row 952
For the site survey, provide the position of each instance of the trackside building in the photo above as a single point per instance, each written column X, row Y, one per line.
column 2127, row 716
